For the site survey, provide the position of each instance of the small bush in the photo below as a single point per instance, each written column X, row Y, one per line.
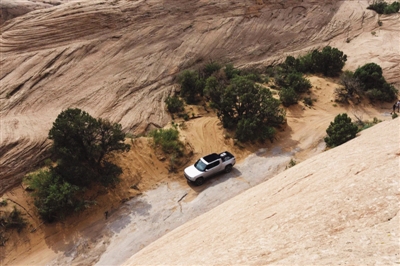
column 3, row 203
column 231, row 71
column 10, row 221
column 298, row 82
column 329, row 61
column 210, row 68
column 394, row 115
column 294, row 80
column 212, row 89
column 130, row 135
column 185, row 116
column 249, row 129
column 288, row 96
column 308, row 101
column 53, row 197
column 168, row 141
column 351, row 87
column 373, row 84
column 174, row 104
column 340, row 131
column 291, row 163
column 382, row 7
column 14, row 220
column 192, row 86
column 367, row 124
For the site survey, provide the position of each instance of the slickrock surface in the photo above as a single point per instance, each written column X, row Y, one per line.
column 10, row 9
column 339, row 207
column 118, row 59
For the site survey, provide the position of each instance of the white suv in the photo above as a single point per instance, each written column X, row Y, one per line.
column 208, row 166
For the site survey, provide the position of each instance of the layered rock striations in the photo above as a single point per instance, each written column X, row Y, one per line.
column 119, row 59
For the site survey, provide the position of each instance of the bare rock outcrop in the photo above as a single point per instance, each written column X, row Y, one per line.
column 339, row 207
column 118, row 59
column 10, row 9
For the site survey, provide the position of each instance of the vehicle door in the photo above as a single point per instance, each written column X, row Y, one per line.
column 212, row 168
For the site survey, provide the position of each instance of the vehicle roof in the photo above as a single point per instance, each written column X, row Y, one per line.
column 211, row 157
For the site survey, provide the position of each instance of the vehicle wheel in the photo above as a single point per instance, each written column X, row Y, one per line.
column 199, row 181
column 228, row 168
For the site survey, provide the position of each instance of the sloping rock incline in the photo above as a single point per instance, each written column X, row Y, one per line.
column 10, row 9
column 118, row 59
column 340, row 207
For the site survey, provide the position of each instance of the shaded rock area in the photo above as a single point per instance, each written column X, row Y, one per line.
column 10, row 9
column 339, row 207
column 119, row 59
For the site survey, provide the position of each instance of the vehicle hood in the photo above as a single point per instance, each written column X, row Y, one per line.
column 191, row 172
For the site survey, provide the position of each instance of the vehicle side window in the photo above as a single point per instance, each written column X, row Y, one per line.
column 212, row 165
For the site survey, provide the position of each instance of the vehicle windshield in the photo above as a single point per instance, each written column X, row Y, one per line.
column 200, row 165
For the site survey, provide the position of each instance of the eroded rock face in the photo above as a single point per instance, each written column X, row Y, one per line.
column 10, row 9
column 118, row 59
column 339, row 207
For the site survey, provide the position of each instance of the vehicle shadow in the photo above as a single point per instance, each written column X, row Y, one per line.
column 215, row 180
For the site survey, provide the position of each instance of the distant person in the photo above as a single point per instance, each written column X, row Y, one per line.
column 396, row 104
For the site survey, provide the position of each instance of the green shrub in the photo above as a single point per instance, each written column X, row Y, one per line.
column 374, row 84
column 251, row 73
column 213, row 89
column 297, row 81
column 382, row 7
column 14, row 220
column 351, row 87
column 192, row 86
column 231, row 71
column 291, row 163
column 329, row 62
column 168, row 141
column 174, row 104
column 250, row 129
column 210, row 68
column 394, row 115
column 3, row 203
column 81, row 142
column 340, row 131
column 288, row 96
column 392, row 8
column 308, row 101
column 304, row 64
column 10, row 221
column 53, row 197
column 362, row 125
column 243, row 99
